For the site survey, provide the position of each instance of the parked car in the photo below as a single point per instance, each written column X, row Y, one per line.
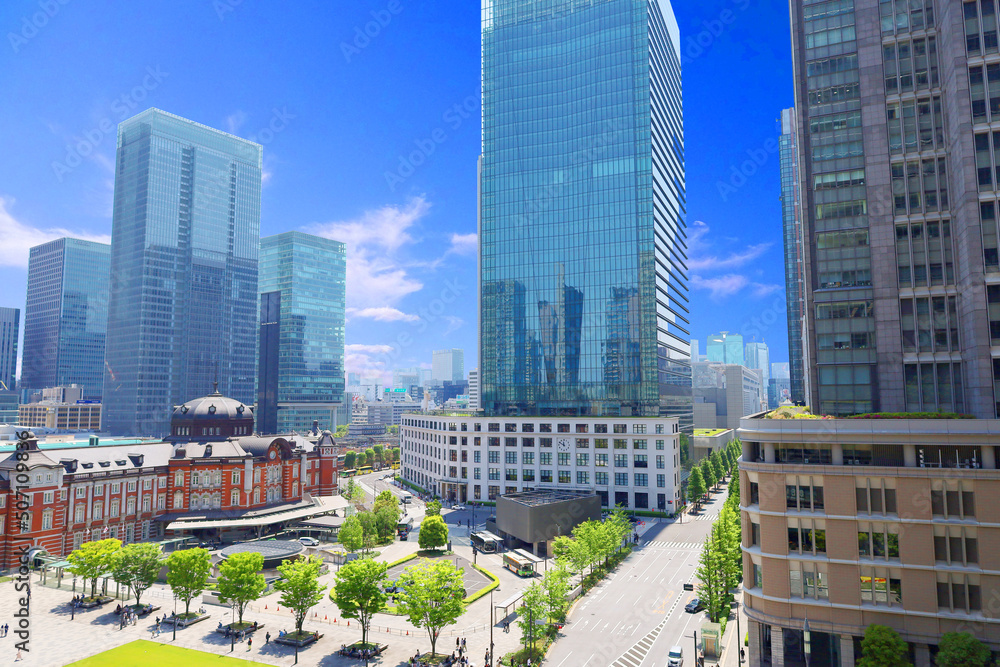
column 675, row 658
column 309, row 541
column 392, row 588
column 458, row 507
column 694, row 606
column 632, row 519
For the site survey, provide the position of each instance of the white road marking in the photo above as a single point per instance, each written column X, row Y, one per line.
column 566, row 658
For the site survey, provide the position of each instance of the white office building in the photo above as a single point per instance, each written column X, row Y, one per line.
column 628, row 461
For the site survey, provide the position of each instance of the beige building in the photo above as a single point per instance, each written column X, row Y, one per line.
column 61, row 416
column 849, row 523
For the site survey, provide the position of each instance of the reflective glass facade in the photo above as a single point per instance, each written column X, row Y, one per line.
column 309, row 272
column 726, row 348
column 791, row 224
column 185, row 238
column 582, row 232
column 66, row 316
column 10, row 327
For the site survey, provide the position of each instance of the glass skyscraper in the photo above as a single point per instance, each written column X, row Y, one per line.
column 10, row 327
column 583, row 294
column 66, row 316
column 309, row 272
column 791, row 223
column 185, row 239
column 725, row 348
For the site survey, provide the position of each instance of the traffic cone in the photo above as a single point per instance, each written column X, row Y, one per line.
column 265, row 606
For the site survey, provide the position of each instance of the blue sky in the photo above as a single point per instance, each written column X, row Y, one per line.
column 373, row 141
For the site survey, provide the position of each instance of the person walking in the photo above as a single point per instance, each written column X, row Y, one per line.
column 267, row 638
column 250, row 643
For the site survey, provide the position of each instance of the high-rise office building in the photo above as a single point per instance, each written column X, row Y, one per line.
column 309, row 273
column 582, row 210
column 404, row 378
column 66, row 316
column 183, row 311
column 899, row 216
column 726, row 348
column 781, row 370
column 10, row 326
column 695, row 350
column 448, row 366
column 759, row 358
column 474, row 390
column 791, row 223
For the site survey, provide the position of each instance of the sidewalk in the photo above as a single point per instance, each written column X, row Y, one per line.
column 731, row 643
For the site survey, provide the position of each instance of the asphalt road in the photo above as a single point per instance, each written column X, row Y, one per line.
column 635, row 616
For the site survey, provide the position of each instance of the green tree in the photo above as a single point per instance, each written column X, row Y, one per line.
column 432, row 596
column 379, row 452
column 392, row 429
column 341, row 431
column 728, row 528
column 696, row 485
column 685, row 447
column 395, row 454
column 716, row 460
column 92, row 559
column 433, row 507
column 187, row 574
column 240, row 580
column 386, row 498
column 369, row 529
column 960, row 649
column 555, row 585
column 358, row 593
column 571, row 552
column 137, row 566
column 386, row 520
column 351, row 534
column 369, row 456
column 300, row 588
column 533, row 609
column 350, row 458
column 883, row 647
column 708, row 472
column 712, row 580
column 433, row 532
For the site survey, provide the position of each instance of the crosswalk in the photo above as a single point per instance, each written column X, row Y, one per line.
column 708, row 517
column 635, row 655
column 671, row 545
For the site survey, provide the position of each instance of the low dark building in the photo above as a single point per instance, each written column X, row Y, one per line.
column 535, row 518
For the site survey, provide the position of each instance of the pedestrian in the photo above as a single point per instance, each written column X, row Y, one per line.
column 267, row 638
column 250, row 643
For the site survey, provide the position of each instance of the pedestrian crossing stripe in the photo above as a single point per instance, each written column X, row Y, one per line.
column 671, row 545
column 708, row 517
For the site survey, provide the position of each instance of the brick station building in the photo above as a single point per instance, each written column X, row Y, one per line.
column 211, row 478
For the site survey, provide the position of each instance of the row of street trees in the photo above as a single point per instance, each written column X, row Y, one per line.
column 135, row 566
column 883, row 647
column 712, row 471
column 593, row 542
column 376, row 454
column 543, row 601
column 367, row 528
column 720, row 566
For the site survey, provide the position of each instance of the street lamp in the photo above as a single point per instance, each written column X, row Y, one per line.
column 806, row 639
column 232, row 629
column 492, row 623
column 739, row 635
column 175, row 619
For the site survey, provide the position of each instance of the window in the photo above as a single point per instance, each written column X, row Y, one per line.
column 582, row 443
column 806, row 537
column 621, row 443
column 601, row 460
column 256, row 475
column 78, row 514
column 131, row 485
column 510, row 428
column 545, row 458
column 808, row 580
column 493, row 456
column 510, row 458
column 98, row 490
column 510, row 474
column 477, row 456
column 493, row 427
column 601, row 478
column 803, row 496
column 754, row 534
column 528, row 428
column 872, row 498
column 878, row 540
column 638, row 444
column 621, row 428
column 528, row 458
column 546, row 476
column 621, row 479
column 146, row 504
column 581, row 428
column 659, row 444
column 601, row 443
column 582, row 477
column 641, row 479
column 477, row 473
column 956, row 545
column 600, row 428
column 758, row 576
column 527, row 442
column 130, row 506
column 621, row 460
column 178, row 499
column 234, row 497
column 98, row 510
column 545, row 428
column 493, row 492
column 115, row 506
column 510, row 442
column 564, row 458
column 179, row 478
column 952, row 500
column 564, row 477
column 81, row 492
column 959, row 592
column 640, row 461
column 493, row 441
column 562, row 428
column 48, row 497
column 494, row 473
column 545, row 442
column 582, row 459
column 881, row 586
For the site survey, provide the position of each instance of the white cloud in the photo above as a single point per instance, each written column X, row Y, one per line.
column 720, row 286
column 375, row 273
column 454, row 323
column 383, row 314
column 730, row 261
column 358, row 348
column 16, row 237
column 368, row 360
column 234, row 121
column 464, row 244
column 761, row 290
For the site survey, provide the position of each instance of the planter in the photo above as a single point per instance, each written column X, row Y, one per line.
column 250, row 629
column 99, row 601
column 185, row 622
column 289, row 640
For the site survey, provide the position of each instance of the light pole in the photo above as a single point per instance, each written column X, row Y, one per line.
column 492, row 623
column 805, row 640
column 175, row 620
column 232, row 629
column 697, row 662
column 739, row 635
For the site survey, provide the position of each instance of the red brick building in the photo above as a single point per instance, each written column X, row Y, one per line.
column 211, row 478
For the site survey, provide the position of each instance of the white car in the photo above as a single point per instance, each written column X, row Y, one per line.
column 458, row 507
column 309, row 541
column 675, row 658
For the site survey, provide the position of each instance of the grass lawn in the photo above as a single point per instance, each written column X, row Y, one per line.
column 153, row 654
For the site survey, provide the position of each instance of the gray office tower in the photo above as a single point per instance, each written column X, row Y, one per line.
column 791, row 223
column 184, row 244
column 899, row 173
column 582, row 236
column 10, row 321
column 66, row 316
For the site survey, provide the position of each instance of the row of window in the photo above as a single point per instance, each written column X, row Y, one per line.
column 579, row 443
column 566, row 477
column 565, row 459
column 528, row 427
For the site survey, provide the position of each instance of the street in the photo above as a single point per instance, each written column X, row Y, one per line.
column 636, row 615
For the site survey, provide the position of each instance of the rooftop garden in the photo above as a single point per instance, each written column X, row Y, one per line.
column 797, row 412
column 708, row 432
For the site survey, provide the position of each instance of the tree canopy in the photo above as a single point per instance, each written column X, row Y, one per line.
column 696, row 485
column 92, row 559
column 300, row 587
column 240, row 580
column 433, row 532
column 883, row 647
column 432, row 596
column 960, row 649
column 358, row 591
column 137, row 566
column 187, row 574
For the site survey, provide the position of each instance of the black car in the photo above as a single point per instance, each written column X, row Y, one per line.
column 634, row 520
column 694, row 606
